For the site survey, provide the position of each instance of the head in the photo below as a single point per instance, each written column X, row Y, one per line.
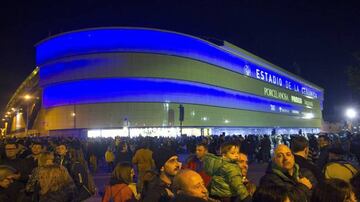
column 61, row 149
column 11, row 150
column 6, row 176
column 167, row 161
column 335, row 190
column 323, row 140
column 36, row 148
column 45, row 159
column 190, row 183
column 230, row 150
column 283, row 158
column 201, row 150
column 53, row 178
column 271, row 194
column 300, row 146
column 123, row 173
column 123, row 146
column 243, row 164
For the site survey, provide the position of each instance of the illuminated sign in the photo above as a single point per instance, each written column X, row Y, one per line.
column 296, row 99
column 276, row 94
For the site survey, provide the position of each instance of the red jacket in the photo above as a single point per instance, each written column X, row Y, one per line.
column 195, row 164
column 119, row 192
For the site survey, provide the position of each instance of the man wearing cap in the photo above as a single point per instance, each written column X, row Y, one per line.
column 36, row 149
column 7, row 175
column 168, row 165
column 338, row 167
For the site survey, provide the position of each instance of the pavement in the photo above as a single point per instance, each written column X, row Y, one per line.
column 102, row 176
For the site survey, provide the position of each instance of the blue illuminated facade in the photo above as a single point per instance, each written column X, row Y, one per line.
column 133, row 72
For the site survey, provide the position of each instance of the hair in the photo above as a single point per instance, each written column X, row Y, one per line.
column 226, row 146
column 76, row 155
column 53, row 178
column 122, row 173
column 44, row 156
column 202, row 145
column 12, row 142
column 325, row 137
column 270, row 194
column 334, row 190
column 299, row 143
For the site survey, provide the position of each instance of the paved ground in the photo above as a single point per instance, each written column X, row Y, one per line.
column 101, row 178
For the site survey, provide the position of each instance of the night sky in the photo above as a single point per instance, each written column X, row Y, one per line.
column 314, row 40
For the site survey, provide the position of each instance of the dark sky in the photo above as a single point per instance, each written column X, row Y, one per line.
column 317, row 38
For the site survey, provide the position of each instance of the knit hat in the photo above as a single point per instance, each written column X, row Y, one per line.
column 162, row 155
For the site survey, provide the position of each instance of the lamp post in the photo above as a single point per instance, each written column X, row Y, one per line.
column 27, row 98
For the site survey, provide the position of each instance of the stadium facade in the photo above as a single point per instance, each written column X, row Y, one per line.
column 131, row 81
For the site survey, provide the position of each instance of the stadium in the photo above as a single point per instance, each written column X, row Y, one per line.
column 132, row 81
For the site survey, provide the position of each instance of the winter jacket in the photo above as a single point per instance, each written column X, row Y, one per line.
column 65, row 194
column 119, row 193
column 227, row 180
column 275, row 176
column 340, row 169
column 156, row 191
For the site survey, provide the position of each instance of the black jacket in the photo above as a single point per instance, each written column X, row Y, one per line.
column 307, row 166
column 274, row 176
column 156, row 191
column 66, row 194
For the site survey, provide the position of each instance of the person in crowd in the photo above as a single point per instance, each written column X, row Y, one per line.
column 62, row 157
column 7, row 176
column 274, row 193
column 124, row 154
column 189, row 186
column 168, row 165
column 23, row 170
column 265, row 147
column 56, row 184
column 243, row 163
column 85, row 186
column 227, row 181
column 118, row 190
column 36, row 149
column 324, row 145
column 195, row 162
column 32, row 186
column 110, row 158
column 283, row 171
column 143, row 161
column 337, row 166
column 300, row 149
column 334, row 190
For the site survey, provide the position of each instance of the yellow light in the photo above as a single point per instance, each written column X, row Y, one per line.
column 73, row 114
column 27, row 97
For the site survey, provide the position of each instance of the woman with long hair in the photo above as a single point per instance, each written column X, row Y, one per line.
column 119, row 190
column 32, row 186
column 56, row 184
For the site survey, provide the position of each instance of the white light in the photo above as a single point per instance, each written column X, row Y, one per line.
column 308, row 116
column 350, row 113
column 227, row 121
column 204, row 118
column 27, row 97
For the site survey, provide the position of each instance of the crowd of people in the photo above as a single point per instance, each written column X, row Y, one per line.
column 300, row 168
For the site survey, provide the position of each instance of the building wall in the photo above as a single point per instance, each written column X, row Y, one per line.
column 99, row 78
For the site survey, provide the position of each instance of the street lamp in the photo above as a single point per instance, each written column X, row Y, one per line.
column 27, row 98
